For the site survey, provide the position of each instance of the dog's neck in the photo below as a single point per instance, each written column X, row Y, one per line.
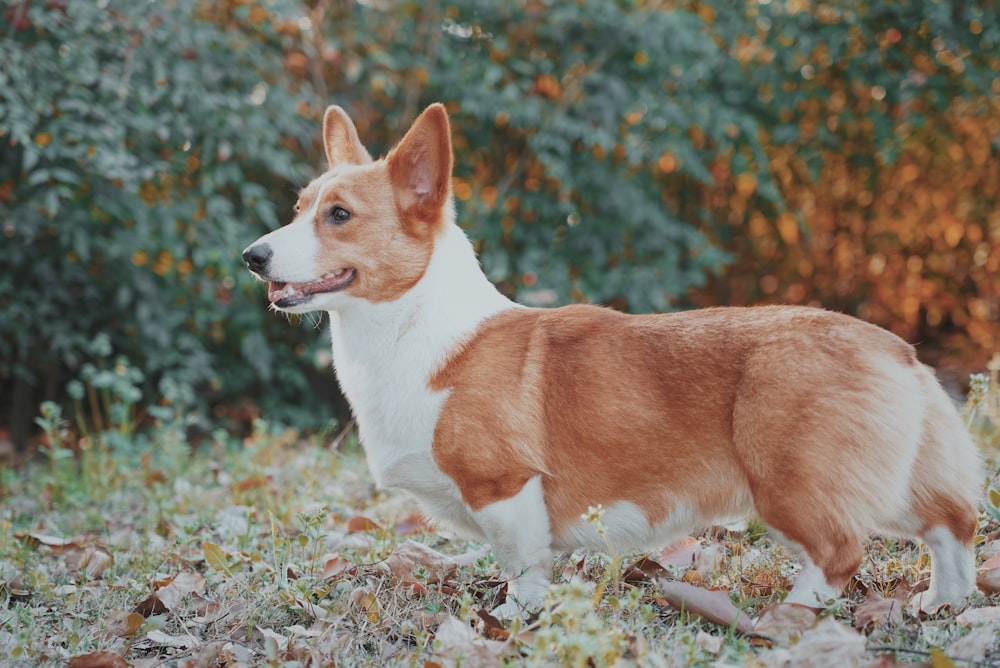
column 385, row 354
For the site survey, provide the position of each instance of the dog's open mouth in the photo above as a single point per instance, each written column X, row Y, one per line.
column 284, row 295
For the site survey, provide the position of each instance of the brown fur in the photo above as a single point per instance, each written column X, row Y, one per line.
column 703, row 408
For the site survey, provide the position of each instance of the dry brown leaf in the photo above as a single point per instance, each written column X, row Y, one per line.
column 784, row 623
column 186, row 641
column 829, row 643
column 976, row 646
column 208, row 655
column 280, row 640
column 334, row 566
column 992, row 562
column 170, row 592
column 713, row 605
column 458, row 642
column 979, row 616
column 492, row 627
column 90, row 559
column 989, row 581
column 411, row 554
column 359, row 524
column 210, row 612
column 682, row 552
column 35, row 539
column 120, row 623
column 183, row 584
column 99, row 660
column 877, row 611
column 709, row 643
column 645, row 570
column 317, row 612
column 149, row 606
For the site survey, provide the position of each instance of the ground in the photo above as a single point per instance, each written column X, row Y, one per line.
column 149, row 550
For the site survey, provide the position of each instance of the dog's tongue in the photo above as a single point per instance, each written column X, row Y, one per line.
column 278, row 291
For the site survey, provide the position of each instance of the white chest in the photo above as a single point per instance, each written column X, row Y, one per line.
column 385, row 355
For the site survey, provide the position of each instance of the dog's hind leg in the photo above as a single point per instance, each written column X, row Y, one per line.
column 945, row 485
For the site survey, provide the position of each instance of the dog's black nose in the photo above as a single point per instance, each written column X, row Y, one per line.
column 258, row 257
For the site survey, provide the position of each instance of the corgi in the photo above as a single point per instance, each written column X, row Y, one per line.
column 509, row 423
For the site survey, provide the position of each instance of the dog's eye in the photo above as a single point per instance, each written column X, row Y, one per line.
column 339, row 214
column 297, row 208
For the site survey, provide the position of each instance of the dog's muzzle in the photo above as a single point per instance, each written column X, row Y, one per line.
column 258, row 257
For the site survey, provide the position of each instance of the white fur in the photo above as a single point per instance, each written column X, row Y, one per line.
column 627, row 528
column 386, row 353
column 295, row 246
column 811, row 587
column 953, row 569
column 518, row 531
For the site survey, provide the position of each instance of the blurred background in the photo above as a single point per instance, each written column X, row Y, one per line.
column 647, row 155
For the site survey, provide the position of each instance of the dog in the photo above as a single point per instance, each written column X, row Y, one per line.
column 509, row 423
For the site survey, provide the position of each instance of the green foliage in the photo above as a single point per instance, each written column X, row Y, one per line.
column 571, row 120
column 143, row 146
column 615, row 152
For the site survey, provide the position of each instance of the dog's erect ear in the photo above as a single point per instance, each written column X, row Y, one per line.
column 420, row 166
column 340, row 139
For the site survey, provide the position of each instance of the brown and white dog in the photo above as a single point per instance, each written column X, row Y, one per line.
column 509, row 422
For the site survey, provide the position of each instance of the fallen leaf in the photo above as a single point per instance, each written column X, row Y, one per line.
column 183, row 584
column 210, row 612
column 941, row 660
column 976, row 646
column 35, row 539
column 149, row 606
column 992, row 562
column 877, row 611
column 334, row 567
column 280, row 640
column 709, row 643
column 218, row 558
column 919, row 604
column 98, row 660
column 315, row 611
column 989, row 581
column 186, row 641
column 645, row 570
column 834, row 642
column 120, row 623
column 90, row 559
column 410, row 555
column 713, row 605
column 682, row 552
column 785, row 623
column 171, row 592
column 303, row 632
column 209, row 654
column 493, row 628
column 358, row 524
column 459, row 642
column 979, row 616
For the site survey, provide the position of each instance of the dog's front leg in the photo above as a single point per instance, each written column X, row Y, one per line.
column 518, row 531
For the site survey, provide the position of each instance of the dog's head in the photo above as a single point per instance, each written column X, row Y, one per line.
column 364, row 229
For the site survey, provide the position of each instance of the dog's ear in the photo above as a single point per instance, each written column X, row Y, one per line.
column 420, row 166
column 340, row 139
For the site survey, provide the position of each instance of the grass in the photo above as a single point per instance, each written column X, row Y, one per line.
column 277, row 550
